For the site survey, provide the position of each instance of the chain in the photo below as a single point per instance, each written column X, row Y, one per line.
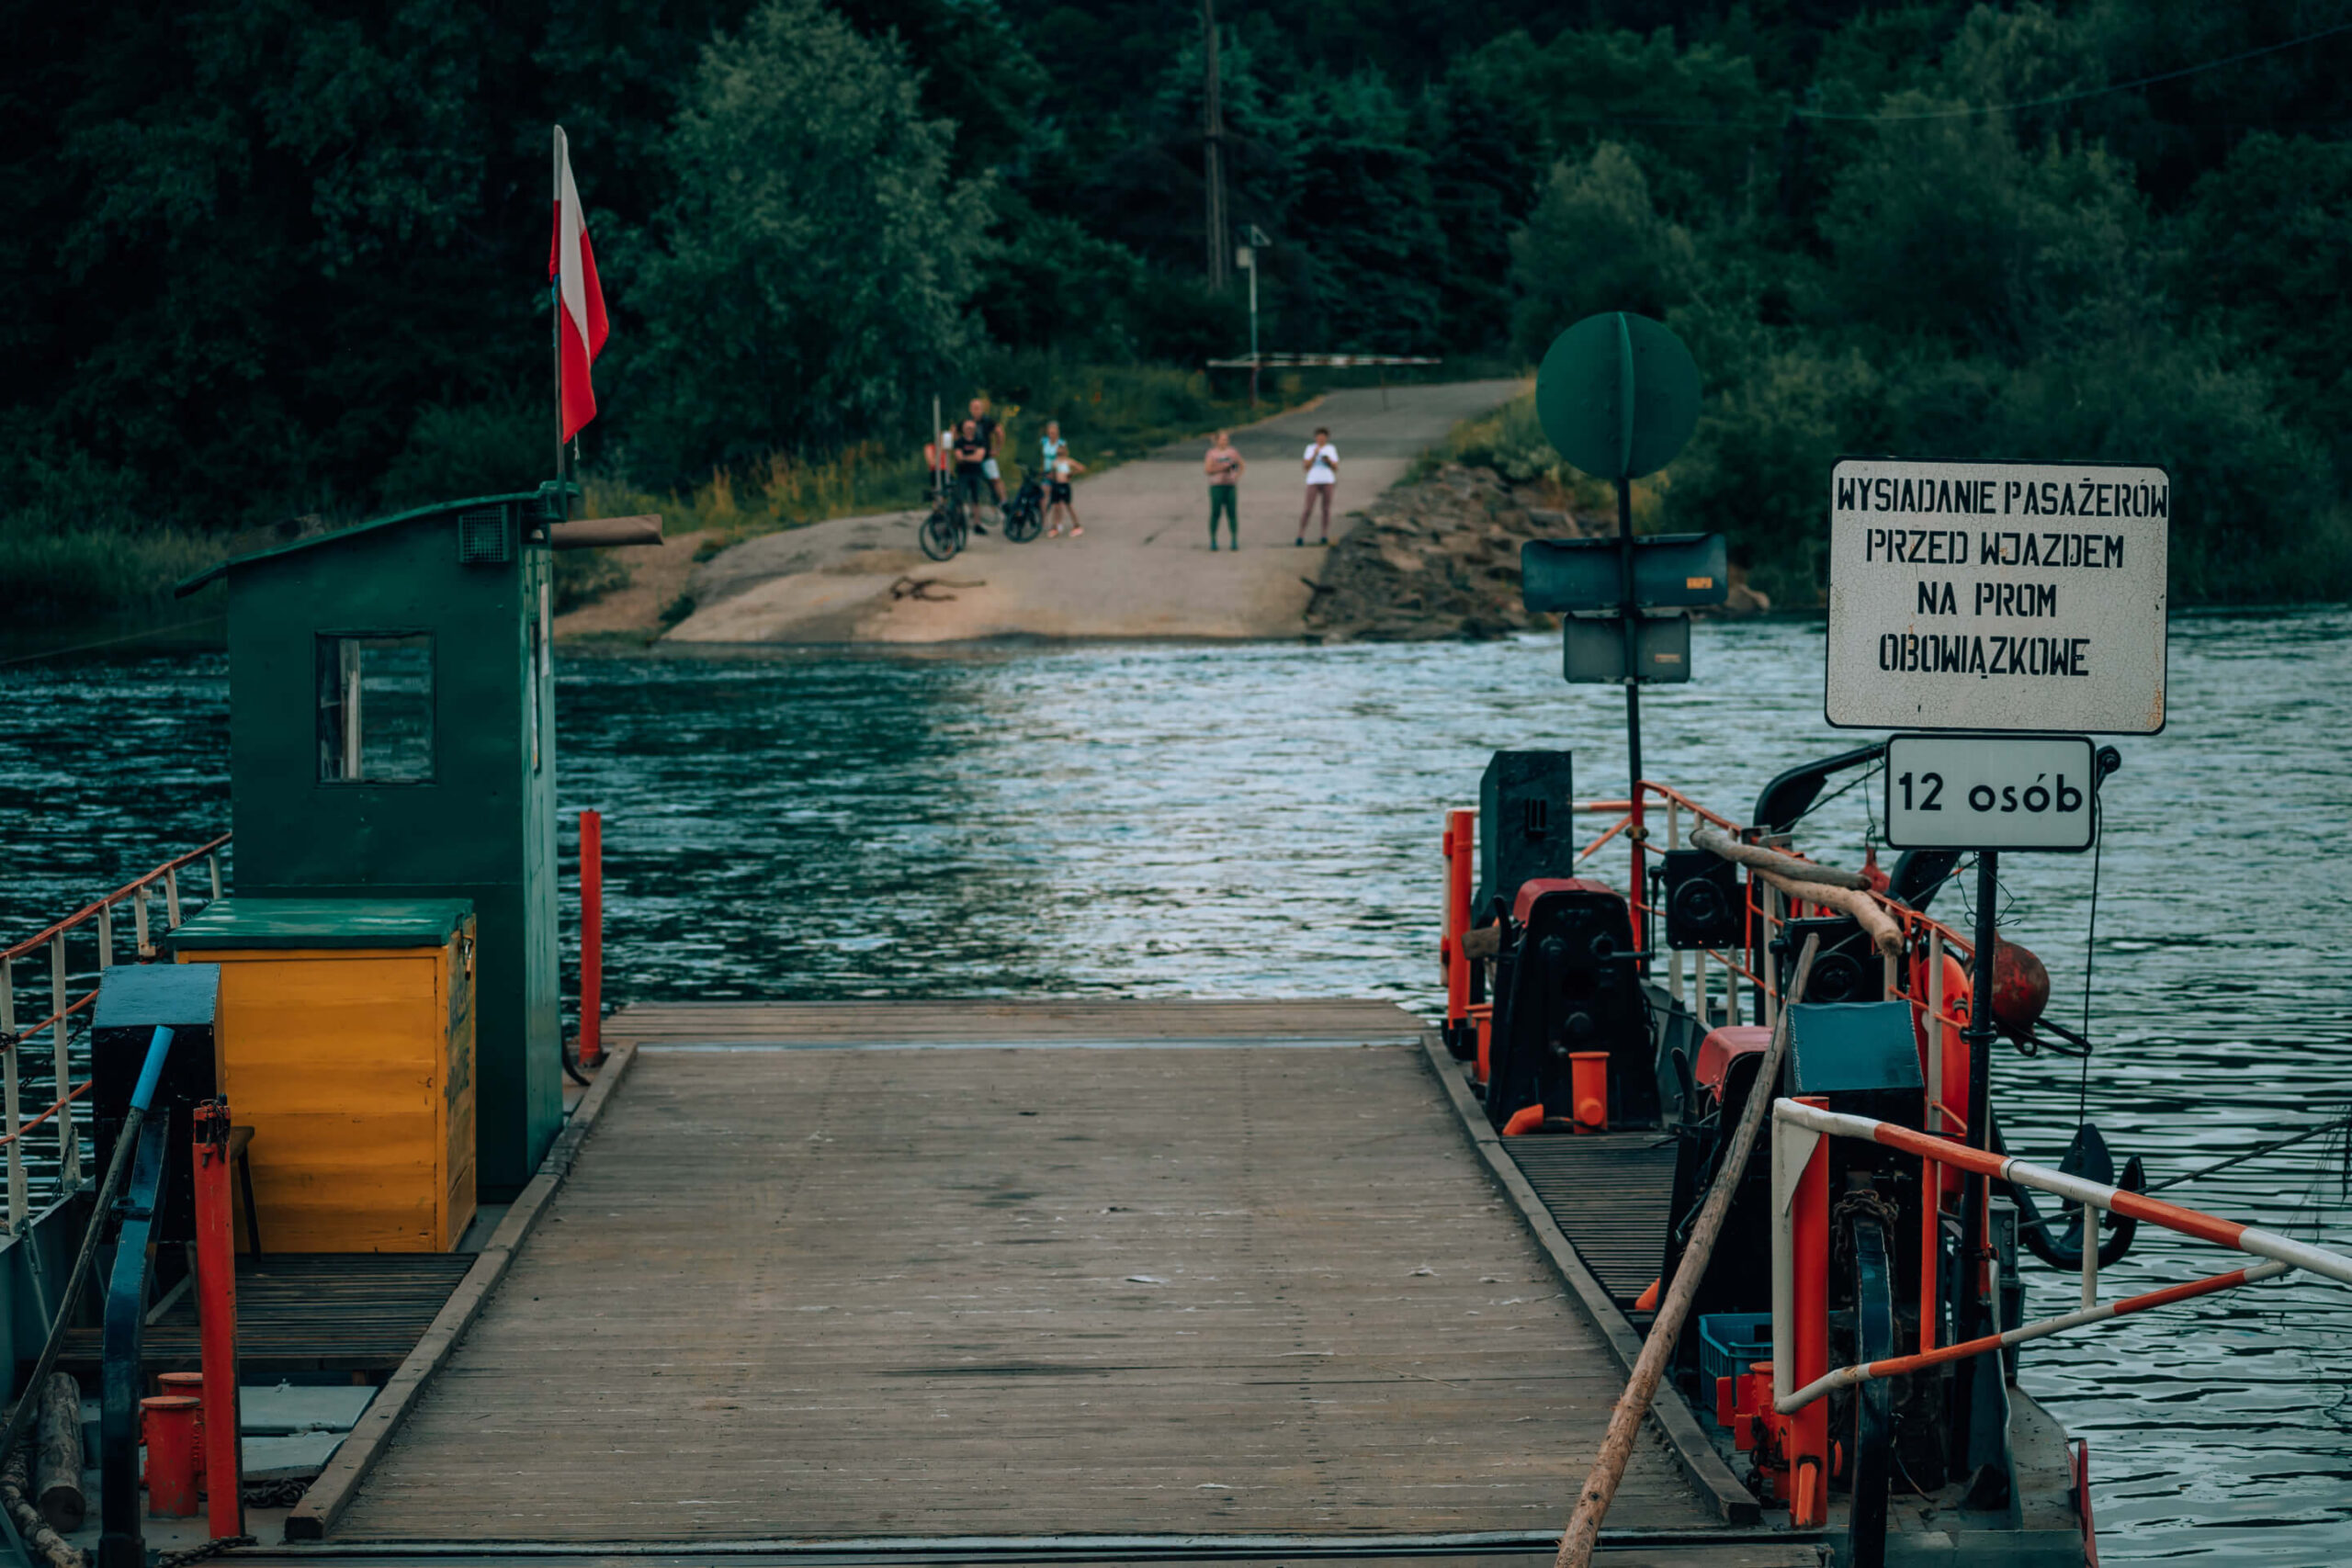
column 274, row 1493
column 209, row 1549
column 1854, row 1206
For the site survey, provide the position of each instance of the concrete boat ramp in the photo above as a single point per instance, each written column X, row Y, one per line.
column 1015, row 1282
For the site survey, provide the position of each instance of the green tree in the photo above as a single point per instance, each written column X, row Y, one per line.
column 1948, row 226
column 815, row 267
column 1594, row 242
column 2267, row 252
column 1364, row 253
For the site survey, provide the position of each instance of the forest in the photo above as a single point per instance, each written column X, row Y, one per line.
column 281, row 258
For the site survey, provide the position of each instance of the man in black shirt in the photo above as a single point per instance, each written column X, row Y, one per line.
column 972, row 463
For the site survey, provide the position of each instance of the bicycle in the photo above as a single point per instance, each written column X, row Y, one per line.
column 956, row 514
column 1024, row 515
column 945, row 533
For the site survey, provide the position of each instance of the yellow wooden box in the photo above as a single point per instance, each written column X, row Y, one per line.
column 345, row 1042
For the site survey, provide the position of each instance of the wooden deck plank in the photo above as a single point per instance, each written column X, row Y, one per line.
column 1009, row 1293
column 1010, row 1022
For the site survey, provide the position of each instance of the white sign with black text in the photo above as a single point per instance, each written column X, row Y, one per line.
column 1998, row 596
column 1990, row 792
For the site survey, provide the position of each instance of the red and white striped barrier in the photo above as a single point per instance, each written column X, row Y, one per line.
column 1797, row 1131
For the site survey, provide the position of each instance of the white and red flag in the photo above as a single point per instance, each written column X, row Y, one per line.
column 580, row 301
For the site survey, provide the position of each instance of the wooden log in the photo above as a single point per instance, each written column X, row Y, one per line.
column 1583, row 1534
column 57, row 1455
column 44, row 1543
column 1884, row 934
column 603, row 533
column 1486, row 941
column 1759, row 858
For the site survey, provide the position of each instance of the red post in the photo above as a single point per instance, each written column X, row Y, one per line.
column 1588, row 1090
column 216, row 1310
column 167, row 1422
column 1809, row 1451
column 1461, row 829
column 1482, row 1019
column 592, row 938
column 192, row 1385
column 1931, row 1226
column 1639, row 893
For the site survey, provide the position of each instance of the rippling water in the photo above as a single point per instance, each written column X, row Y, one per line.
column 1263, row 821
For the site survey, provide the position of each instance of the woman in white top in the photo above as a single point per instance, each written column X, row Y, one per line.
column 1322, row 466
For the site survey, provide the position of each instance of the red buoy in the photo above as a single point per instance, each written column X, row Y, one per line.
column 2020, row 988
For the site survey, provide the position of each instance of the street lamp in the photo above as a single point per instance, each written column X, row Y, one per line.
column 1245, row 256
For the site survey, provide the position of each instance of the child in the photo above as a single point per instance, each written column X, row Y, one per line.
column 1060, row 465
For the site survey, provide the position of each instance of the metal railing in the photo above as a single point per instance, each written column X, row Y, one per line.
column 1801, row 1231
column 63, row 1004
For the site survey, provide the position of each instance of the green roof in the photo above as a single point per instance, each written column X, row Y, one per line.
column 322, row 922
column 438, row 509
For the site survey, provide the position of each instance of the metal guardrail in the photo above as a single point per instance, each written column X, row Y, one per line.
column 99, row 914
column 1800, row 1231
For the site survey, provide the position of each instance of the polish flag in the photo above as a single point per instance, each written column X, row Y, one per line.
column 580, row 302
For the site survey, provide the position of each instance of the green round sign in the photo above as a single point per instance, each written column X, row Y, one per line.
column 1618, row 395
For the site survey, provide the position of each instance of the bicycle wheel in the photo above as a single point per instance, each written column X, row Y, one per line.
column 1024, row 523
column 941, row 537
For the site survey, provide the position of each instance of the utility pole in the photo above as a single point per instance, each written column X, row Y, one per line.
column 1213, row 153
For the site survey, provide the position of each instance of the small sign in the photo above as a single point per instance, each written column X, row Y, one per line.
column 1998, row 596
column 1670, row 571
column 1593, row 649
column 1990, row 792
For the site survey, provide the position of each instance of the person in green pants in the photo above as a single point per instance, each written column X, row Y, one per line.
column 1224, row 468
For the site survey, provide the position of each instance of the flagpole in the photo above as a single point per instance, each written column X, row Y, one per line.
column 554, row 317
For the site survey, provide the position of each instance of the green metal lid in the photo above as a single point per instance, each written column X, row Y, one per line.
column 323, row 922
column 546, row 505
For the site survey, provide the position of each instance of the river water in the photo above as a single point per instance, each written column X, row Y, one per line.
column 1181, row 821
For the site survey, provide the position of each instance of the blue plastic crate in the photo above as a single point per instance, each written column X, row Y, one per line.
column 1730, row 1342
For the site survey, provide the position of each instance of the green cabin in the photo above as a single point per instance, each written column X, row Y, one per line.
column 391, row 735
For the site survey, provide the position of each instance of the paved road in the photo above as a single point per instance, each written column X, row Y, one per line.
column 1144, row 569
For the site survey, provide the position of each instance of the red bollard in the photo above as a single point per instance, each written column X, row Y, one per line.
column 1482, row 1019
column 592, row 938
column 190, row 1384
column 167, row 1422
column 223, row 1458
column 1589, row 1089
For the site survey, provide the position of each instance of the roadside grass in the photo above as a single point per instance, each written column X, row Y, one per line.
column 72, row 575
column 1511, row 442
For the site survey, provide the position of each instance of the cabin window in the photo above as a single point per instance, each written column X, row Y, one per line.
column 375, row 709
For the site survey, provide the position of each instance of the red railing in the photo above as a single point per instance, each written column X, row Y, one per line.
column 63, row 1005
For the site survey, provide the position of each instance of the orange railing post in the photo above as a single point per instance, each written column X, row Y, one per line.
column 592, row 938
column 1460, row 839
column 216, row 1310
column 1638, row 893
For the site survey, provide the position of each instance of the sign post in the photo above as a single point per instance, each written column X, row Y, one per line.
column 2009, row 601
column 1618, row 396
